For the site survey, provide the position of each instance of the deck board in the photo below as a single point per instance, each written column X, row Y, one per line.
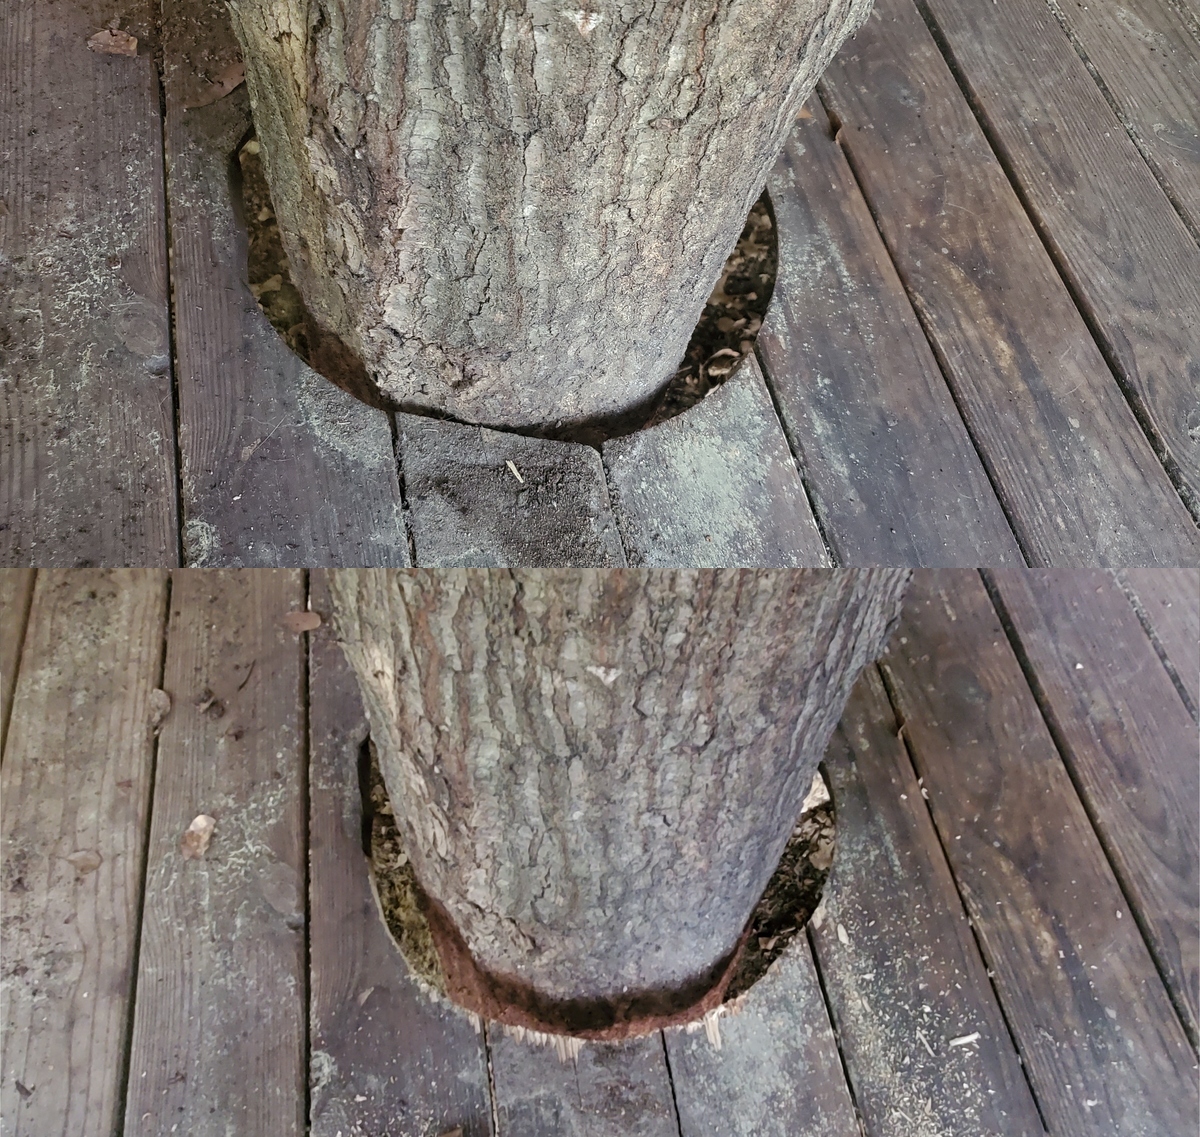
column 219, row 1034
column 1078, row 479
column 891, row 469
column 75, row 789
column 16, row 595
column 1090, row 191
column 1104, row 1050
column 897, row 956
column 1131, row 746
column 87, row 460
column 385, row 1057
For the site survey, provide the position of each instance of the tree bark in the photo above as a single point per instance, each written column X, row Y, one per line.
column 595, row 772
column 512, row 212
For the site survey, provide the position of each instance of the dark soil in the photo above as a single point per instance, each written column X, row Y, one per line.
column 726, row 332
column 791, row 897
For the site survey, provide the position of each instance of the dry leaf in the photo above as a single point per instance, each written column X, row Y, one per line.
column 113, row 42
column 220, row 85
column 85, row 861
column 194, row 842
column 302, row 621
column 160, row 707
column 804, row 113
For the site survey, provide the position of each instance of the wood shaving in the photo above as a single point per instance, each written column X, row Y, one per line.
column 194, row 842
column 112, row 41
column 301, row 621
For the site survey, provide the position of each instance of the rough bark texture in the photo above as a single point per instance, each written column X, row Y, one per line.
column 513, row 212
column 595, row 772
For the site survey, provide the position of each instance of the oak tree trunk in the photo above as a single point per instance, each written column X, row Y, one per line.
column 595, row 772
column 512, row 211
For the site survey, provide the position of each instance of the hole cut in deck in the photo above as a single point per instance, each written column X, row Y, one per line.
column 724, row 335
column 791, row 897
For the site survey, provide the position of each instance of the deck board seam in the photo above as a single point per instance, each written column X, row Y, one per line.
column 16, row 675
column 405, row 509
column 662, row 1038
column 1090, row 319
column 1062, row 746
column 1139, row 609
column 491, row 1077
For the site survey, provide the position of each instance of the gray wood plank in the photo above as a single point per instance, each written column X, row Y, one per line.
column 892, row 471
column 777, row 1073
column 16, row 591
column 218, row 1041
column 608, row 1090
column 715, row 486
column 469, row 508
column 898, row 960
column 385, row 1057
column 1078, row 478
column 1105, row 1053
column 1131, row 746
column 75, row 793
column 280, row 467
column 87, row 460
column 1168, row 602
column 1130, row 258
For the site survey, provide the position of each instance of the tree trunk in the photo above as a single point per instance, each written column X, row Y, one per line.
column 511, row 212
column 596, row 772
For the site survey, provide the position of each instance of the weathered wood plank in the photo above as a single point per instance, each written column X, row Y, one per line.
column 1130, row 744
column 1147, row 55
column 1104, row 1050
column 609, row 1090
column 280, row 467
column 900, row 965
column 777, row 1073
column 16, row 591
column 75, row 792
column 891, row 469
column 1119, row 240
column 86, row 452
column 715, row 486
column 468, row 507
column 218, row 1032
column 385, row 1057
column 1168, row 601
column 1077, row 477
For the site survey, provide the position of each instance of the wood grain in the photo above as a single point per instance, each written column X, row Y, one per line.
column 386, row 1058
column 16, row 591
column 1077, row 477
column 1103, row 1048
column 609, row 1090
column 890, row 467
column 1147, row 55
column 898, row 960
column 280, row 467
column 777, row 1073
column 1130, row 744
column 75, row 792
column 218, row 1034
column 1168, row 601
column 1129, row 257
column 87, row 463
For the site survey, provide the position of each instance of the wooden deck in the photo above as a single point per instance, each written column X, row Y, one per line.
column 1009, row 942
column 983, row 348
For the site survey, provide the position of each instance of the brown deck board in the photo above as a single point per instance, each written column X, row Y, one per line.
column 1168, row 602
column 385, row 1057
column 218, row 1036
column 87, row 465
column 75, row 790
column 898, row 959
column 1130, row 258
column 1078, row 478
column 16, row 593
column 609, row 1090
column 1147, row 56
column 1104, row 1050
column 279, row 466
column 891, row 469
column 777, row 1073
column 1131, row 746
